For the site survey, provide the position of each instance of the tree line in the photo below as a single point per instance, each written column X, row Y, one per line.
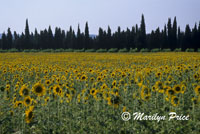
column 170, row 37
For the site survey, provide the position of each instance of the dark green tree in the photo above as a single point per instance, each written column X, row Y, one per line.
column 9, row 39
column 87, row 38
column 169, row 33
column 187, row 38
column 4, row 41
column 27, row 36
column 174, row 34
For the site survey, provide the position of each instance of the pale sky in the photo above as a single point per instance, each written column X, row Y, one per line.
column 98, row 13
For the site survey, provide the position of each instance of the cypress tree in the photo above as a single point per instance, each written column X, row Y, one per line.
column 174, row 34
column 27, row 36
column 4, row 41
column 9, row 39
column 50, row 38
column 169, row 33
column 195, row 37
column 109, row 38
column 87, row 38
column 187, row 38
column 79, row 42
column 142, row 32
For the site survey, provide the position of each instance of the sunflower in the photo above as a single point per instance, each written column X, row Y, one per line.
column 177, row 88
column 24, row 91
column 93, row 91
column 84, row 77
column 114, row 83
column 18, row 103
column 2, row 89
column 145, row 93
column 57, row 90
column 27, row 101
column 104, row 86
column 197, row 90
column 170, row 92
column 39, row 89
column 196, row 76
column 194, row 101
column 47, row 82
column 92, row 79
column 114, row 101
column 112, row 74
column 183, row 89
column 175, row 101
column 158, row 74
column 159, row 85
column 29, row 114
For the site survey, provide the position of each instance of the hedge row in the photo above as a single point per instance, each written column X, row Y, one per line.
column 112, row 50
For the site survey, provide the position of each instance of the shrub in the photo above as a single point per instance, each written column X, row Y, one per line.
column 198, row 50
column 101, row 50
column 47, row 50
column 113, row 50
column 90, row 50
column 59, row 50
column 13, row 50
column 155, row 50
column 69, row 50
column 79, row 50
column 144, row 50
column 166, row 50
column 26, row 50
column 189, row 50
column 177, row 50
column 2, row 51
column 133, row 50
column 34, row 50
column 123, row 50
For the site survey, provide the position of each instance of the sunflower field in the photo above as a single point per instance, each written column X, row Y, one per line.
column 82, row 93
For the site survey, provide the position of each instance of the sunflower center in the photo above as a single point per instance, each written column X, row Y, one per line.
column 57, row 89
column 177, row 88
column 28, row 101
column 176, row 100
column 199, row 90
column 116, row 100
column 171, row 92
column 25, row 92
column 38, row 89
column 30, row 114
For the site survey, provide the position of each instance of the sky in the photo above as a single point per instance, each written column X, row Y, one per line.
column 98, row 13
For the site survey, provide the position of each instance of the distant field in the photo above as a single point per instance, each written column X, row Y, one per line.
column 88, row 92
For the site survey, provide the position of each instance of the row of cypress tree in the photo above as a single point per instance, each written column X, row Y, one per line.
column 169, row 37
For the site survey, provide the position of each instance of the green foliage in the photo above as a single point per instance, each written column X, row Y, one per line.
column 90, row 50
column 189, row 50
column 59, row 50
column 112, row 50
column 155, row 50
column 123, row 50
column 166, row 50
column 69, row 50
column 3, row 51
column 79, row 50
column 101, row 50
column 13, row 50
column 47, row 50
column 177, row 50
column 133, row 50
column 144, row 50
column 198, row 50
